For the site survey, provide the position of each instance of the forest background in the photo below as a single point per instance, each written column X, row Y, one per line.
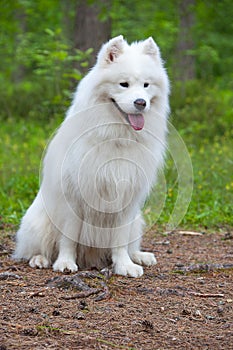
column 47, row 46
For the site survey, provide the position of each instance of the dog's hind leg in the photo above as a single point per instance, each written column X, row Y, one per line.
column 35, row 240
column 39, row 261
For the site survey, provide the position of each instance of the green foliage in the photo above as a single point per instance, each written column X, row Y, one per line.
column 47, row 90
column 212, row 32
column 201, row 109
column 137, row 22
column 39, row 67
column 213, row 36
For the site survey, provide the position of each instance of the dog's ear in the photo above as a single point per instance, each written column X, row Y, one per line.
column 111, row 50
column 151, row 48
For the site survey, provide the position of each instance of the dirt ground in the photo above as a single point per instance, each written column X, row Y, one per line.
column 184, row 302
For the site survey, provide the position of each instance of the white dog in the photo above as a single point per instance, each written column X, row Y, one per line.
column 101, row 165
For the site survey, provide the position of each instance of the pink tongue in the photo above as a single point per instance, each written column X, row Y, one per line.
column 136, row 121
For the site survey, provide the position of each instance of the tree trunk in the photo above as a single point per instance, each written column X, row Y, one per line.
column 90, row 31
column 20, row 17
column 184, row 61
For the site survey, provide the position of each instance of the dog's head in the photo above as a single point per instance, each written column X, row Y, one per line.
column 133, row 77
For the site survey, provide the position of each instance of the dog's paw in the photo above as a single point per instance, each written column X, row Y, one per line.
column 39, row 261
column 131, row 270
column 65, row 264
column 144, row 258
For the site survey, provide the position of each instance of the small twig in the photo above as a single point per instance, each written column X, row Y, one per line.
column 196, row 268
column 204, row 295
column 39, row 293
column 189, row 233
column 82, row 294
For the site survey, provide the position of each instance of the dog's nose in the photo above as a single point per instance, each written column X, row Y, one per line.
column 140, row 104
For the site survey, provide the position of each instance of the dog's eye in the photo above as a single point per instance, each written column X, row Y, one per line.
column 125, row 84
column 146, row 85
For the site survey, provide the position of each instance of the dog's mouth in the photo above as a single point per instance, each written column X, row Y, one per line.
column 135, row 120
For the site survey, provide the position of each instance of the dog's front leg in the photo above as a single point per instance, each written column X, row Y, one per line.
column 123, row 265
column 67, row 255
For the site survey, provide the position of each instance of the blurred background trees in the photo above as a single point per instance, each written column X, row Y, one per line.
column 47, row 46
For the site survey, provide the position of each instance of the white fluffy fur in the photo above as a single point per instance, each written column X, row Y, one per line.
column 98, row 170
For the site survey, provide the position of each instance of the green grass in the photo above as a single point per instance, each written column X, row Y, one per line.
column 212, row 194
column 213, row 191
column 21, row 149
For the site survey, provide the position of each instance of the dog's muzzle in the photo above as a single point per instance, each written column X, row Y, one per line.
column 136, row 120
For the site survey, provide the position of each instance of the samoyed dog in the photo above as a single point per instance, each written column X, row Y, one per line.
column 100, row 166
